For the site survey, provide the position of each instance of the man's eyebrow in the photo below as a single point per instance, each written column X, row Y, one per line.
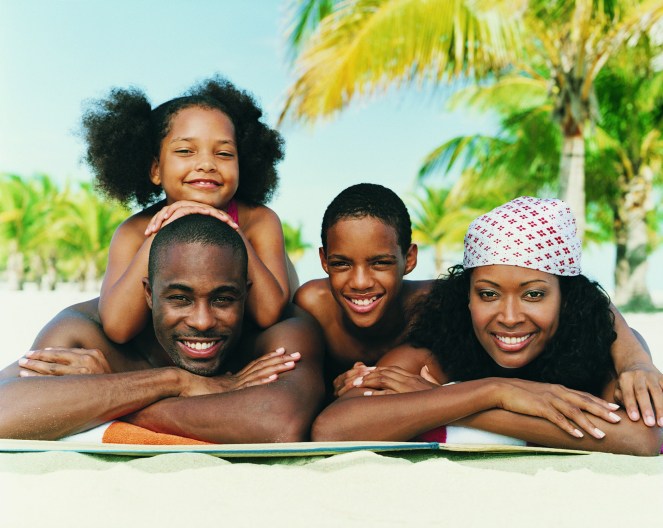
column 225, row 288
column 179, row 286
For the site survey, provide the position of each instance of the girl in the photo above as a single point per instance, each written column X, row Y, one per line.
column 512, row 324
column 207, row 152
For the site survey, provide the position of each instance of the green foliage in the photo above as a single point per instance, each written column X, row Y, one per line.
column 51, row 227
column 295, row 246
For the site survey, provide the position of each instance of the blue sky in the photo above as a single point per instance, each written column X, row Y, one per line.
column 56, row 54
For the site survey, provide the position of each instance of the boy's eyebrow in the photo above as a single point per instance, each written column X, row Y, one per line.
column 372, row 257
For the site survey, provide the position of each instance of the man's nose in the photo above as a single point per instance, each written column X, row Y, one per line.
column 201, row 316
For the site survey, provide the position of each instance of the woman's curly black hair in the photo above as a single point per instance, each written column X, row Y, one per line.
column 577, row 356
column 124, row 134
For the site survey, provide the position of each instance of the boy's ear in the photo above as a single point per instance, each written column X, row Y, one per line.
column 147, row 289
column 411, row 258
column 155, row 174
column 323, row 260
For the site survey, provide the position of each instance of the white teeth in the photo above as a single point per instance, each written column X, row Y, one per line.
column 512, row 340
column 197, row 345
column 363, row 302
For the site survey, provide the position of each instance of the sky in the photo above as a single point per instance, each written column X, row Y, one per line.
column 56, row 54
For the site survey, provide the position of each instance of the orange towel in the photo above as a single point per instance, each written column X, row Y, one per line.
column 126, row 433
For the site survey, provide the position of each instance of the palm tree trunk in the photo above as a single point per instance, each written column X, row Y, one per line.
column 632, row 241
column 572, row 177
column 439, row 261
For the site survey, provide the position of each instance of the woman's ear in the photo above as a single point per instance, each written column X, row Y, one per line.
column 155, row 173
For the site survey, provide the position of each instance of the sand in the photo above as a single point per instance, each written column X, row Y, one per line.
column 354, row 489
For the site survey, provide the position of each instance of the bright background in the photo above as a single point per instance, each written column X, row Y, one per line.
column 56, row 54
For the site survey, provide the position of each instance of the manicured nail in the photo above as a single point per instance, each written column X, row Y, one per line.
column 279, row 350
column 649, row 420
column 289, row 364
column 598, row 433
column 272, row 377
column 660, row 421
column 613, row 406
column 634, row 415
column 358, row 381
column 23, row 361
column 295, row 355
column 578, row 433
column 614, row 417
column 368, row 393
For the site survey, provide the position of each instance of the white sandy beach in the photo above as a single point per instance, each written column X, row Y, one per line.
column 354, row 489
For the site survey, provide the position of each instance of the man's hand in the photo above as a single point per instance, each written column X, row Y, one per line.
column 640, row 389
column 261, row 371
column 57, row 361
column 351, row 378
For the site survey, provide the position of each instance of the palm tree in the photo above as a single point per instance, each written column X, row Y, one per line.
column 295, row 246
column 364, row 46
column 26, row 212
column 86, row 229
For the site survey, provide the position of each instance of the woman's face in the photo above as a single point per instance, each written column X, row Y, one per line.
column 515, row 312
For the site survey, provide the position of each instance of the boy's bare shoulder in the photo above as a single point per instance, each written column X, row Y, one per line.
column 315, row 297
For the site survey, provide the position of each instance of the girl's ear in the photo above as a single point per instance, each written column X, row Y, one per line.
column 155, row 174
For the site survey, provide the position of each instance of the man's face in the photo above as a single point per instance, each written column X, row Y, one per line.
column 366, row 267
column 197, row 301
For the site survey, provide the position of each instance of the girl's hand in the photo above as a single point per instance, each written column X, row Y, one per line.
column 182, row 208
column 261, row 371
column 395, row 380
column 57, row 361
column 640, row 386
column 346, row 381
column 561, row 406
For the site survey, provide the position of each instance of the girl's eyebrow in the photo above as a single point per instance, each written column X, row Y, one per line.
column 222, row 141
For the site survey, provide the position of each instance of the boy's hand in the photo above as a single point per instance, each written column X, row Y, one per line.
column 57, row 361
column 346, row 381
column 640, row 389
column 182, row 208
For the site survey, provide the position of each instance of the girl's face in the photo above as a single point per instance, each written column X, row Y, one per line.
column 198, row 160
column 515, row 312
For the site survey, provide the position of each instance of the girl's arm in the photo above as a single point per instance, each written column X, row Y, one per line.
column 625, row 437
column 269, row 293
column 639, row 383
column 122, row 307
column 413, row 406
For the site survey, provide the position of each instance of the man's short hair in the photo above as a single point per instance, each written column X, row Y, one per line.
column 370, row 199
column 196, row 229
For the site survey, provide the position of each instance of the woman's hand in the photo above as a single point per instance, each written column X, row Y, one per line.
column 561, row 406
column 58, row 361
column 640, row 386
column 346, row 381
column 395, row 380
column 182, row 208
column 261, row 371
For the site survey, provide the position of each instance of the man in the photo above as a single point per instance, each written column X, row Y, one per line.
column 365, row 306
column 169, row 380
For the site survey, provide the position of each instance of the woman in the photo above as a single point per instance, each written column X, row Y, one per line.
column 527, row 335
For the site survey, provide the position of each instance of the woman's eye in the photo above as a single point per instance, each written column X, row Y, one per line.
column 487, row 294
column 534, row 294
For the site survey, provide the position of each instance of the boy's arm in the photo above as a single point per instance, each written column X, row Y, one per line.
column 281, row 411
column 639, row 383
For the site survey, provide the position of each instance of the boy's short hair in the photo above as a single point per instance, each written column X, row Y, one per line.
column 370, row 199
column 196, row 229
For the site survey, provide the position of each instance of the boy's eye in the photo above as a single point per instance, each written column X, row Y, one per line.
column 339, row 264
column 383, row 263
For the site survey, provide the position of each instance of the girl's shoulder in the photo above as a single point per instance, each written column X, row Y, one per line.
column 256, row 216
column 413, row 359
column 136, row 224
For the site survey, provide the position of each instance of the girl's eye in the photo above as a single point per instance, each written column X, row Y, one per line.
column 183, row 151
column 225, row 154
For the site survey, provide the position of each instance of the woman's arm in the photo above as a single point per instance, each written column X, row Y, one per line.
column 122, row 307
column 639, row 384
column 270, row 291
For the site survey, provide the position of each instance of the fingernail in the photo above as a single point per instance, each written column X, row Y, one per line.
column 368, row 393
column 598, row 433
column 279, row 350
column 578, row 433
column 613, row 406
column 614, row 417
column 289, row 364
column 23, row 361
column 371, row 368
column 660, row 422
column 649, row 420
column 272, row 377
column 633, row 415
column 358, row 381
column 295, row 355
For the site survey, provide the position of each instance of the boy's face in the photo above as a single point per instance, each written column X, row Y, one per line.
column 197, row 302
column 365, row 267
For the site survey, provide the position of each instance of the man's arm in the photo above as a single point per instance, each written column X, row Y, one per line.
column 281, row 411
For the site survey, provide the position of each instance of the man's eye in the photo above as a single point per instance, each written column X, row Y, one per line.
column 224, row 300
column 178, row 298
